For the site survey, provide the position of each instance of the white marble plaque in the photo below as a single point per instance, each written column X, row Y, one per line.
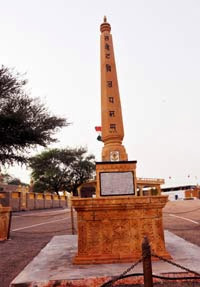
column 116, row 183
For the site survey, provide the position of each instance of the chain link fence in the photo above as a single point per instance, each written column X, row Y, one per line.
column 185, row 279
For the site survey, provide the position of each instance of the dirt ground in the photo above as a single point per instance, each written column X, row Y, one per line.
column 26, row 243
column 183, row 219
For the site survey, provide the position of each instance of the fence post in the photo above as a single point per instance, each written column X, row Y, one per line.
column 147, row 268
column 9, row 224
column 72, row 220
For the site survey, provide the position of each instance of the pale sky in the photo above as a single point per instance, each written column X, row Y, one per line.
column 157, row 52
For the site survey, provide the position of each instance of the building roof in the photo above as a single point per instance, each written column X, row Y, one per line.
column 182, row 187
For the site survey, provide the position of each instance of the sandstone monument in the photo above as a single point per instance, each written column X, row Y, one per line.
column 112, row 225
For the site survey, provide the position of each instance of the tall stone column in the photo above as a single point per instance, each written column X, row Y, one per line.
column 111, row 113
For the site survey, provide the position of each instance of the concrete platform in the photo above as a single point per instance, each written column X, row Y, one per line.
column 53, row 264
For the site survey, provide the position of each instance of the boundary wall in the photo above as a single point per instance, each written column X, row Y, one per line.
column 19, row 201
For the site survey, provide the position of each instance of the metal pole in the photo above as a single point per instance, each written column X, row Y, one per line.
column 72, row 220
column 147, row 267
column 9, row 225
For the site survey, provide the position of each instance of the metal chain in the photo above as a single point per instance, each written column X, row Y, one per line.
column 130, row 268
column 109, row 283
column 175, row 264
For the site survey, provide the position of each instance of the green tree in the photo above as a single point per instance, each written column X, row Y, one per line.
column 17, row 181
column 5, row 177
column 9, row 179
column 56, row 170
column 24, row 122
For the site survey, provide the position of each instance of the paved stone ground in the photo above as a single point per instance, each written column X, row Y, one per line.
column 24, row 245
column 176, row 215
column 54, row 263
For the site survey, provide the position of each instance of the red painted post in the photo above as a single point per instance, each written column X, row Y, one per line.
column 147, row 267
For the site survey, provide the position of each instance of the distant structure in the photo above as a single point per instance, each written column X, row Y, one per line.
column 182, row 192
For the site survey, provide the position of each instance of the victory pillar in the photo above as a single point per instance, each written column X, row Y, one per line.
column 111, row 113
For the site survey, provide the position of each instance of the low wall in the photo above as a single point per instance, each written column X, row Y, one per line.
column 29, row 200
column 48, row 201
column 62, row 200
column 56, row 200
column 39, row 201
column 15, row 201
column 192, row 193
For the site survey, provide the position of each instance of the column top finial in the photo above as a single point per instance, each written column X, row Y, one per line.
column 105, row 26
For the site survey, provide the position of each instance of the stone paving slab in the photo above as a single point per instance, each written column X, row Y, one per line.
column 53, row 263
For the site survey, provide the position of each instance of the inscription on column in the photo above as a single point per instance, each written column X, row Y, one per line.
column 108, row 68
column 109, row 84
column 111, row 113
column 111, row 99
column 112, row 127
column 107, row 47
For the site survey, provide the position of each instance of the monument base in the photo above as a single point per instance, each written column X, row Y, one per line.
column 111, row 229
column 79, row 260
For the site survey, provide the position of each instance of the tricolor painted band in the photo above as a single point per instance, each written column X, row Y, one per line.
column 98, row 129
